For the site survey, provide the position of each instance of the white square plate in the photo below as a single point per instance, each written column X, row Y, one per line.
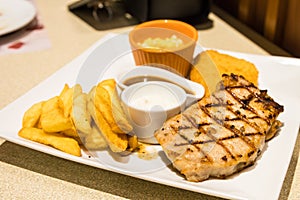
column 110, row 57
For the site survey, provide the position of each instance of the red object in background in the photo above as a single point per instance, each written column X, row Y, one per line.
column 34, row 25
column 16, row 45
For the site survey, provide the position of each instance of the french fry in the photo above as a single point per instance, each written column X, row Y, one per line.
column 66, row 96
column 64, row 90
column 117, row 109
column 77, row 90
column 60, row 142
column 52, row 103
column 95, row 120
column 80, row 115
column 95, row 140
column 90, row 102
column 32, row 115
column 116, row 142
column 91, row 94
column 132, row 142
column 100, row 107
column 72, row 132
column 52, row 116
column 108, row 103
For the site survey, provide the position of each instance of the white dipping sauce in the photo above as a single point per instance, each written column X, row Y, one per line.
column 148, row 96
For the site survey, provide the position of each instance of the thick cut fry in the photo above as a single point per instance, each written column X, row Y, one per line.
column 52, row 117
column 66, row 96
column 117, row 109
column 91, row 94
column 90, row 138
column 132, row 142
column 64, row 90
column 80, row 114
column 32, row 115
column 72, row 132
column 60, row 142
column 77, row 90
column 52, row 103
column 116, row 142
column 108, row 103
column 95, row 140
column 91, row 109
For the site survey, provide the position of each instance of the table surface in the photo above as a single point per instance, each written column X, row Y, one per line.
column 28, row 174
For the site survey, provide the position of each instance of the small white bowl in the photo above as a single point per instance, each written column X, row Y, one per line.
column 149, row 104
column 151, row 95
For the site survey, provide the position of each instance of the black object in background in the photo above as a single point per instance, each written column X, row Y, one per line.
column 110, row 14
column 103, row 14
column 194, row 12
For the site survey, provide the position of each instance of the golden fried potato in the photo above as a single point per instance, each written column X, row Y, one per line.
column 105, row 108
column 80, row 115
column 66, row 96
column 77, row 90
column 72, row 119
column 72, row 132
column 95, row 140
column 52, row 117
column 60, row 142
column 53, row 120
column 91, row 109
column 52, row 103
column 132, row 142
column 210, row 65
column 106, row 100
column 117, row 142
column 64, row 90
column 91, row 94
column 32, row 115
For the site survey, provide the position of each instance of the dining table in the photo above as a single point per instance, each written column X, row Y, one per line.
column 29, row 174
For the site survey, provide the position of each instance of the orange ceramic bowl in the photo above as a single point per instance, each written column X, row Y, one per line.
column 176, row 59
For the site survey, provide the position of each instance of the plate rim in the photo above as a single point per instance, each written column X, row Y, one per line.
column 31, row 15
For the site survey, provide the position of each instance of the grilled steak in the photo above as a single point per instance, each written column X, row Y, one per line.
column 221, row 134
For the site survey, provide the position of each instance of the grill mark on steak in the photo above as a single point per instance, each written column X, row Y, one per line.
column 206, row 157
column 221, row 122
column 244, row 118
column 237, row 133
column 245, row 102
column 225, row 122
column 192, row 121
column 208, row 133
column 221, row 134
column 260, row 95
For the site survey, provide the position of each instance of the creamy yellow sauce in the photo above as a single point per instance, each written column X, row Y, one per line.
column 169, row 43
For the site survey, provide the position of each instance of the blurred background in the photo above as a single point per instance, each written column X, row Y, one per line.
column 272, row 24
column 276, row 20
